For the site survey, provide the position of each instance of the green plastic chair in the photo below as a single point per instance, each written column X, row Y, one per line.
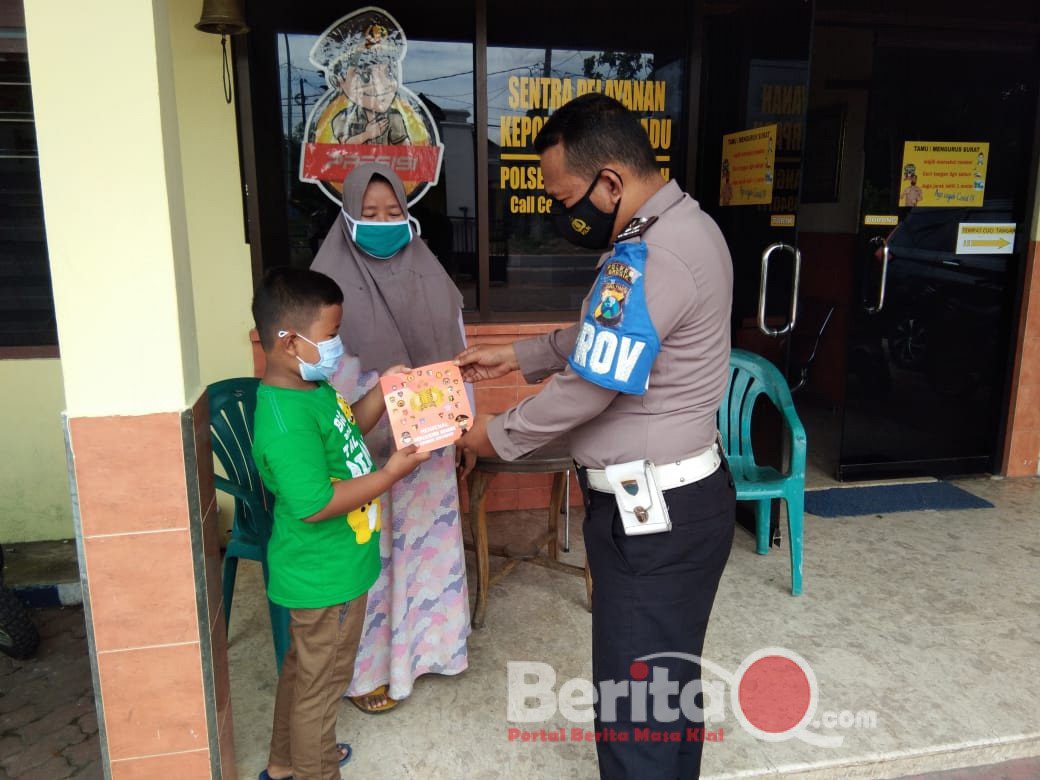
column 232, row 407
column 752, row 376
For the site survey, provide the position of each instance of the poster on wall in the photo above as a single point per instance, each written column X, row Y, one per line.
column 748, row 159
column 367, row 114
column 937, row 173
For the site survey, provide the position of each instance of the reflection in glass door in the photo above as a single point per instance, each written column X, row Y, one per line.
column 534, row 67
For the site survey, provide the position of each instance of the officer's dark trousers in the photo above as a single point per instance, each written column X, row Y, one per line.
column 653, row 594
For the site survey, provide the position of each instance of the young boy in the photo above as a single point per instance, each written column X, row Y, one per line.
column 324, row 550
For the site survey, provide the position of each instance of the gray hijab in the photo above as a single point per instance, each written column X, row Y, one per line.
column 401, row 310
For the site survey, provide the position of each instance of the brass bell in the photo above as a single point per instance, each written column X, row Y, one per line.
column 223, row 17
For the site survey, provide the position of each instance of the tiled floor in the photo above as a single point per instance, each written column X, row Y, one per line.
column 928, row 620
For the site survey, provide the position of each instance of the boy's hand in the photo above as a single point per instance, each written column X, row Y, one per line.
column 404, row 462
column 370, row 409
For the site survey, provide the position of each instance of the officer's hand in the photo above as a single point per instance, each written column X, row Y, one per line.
column 465, row 461
column 487, row 361
column 476, row 438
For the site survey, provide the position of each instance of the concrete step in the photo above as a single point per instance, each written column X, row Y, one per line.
column 43, row 574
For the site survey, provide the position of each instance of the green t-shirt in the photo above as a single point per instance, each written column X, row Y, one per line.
column 303, row 441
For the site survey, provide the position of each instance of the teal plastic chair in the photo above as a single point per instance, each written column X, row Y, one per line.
column 232, row 407
column 751, row 376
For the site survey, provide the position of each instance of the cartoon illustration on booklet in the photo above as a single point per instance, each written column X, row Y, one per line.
column 428, row 406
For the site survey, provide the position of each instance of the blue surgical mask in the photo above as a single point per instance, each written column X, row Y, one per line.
column 330, row 356
column 382, row 240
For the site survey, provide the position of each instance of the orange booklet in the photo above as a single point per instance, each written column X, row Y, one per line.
column 428, row 407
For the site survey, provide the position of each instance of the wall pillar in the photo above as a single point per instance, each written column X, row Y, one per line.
column 136, row 422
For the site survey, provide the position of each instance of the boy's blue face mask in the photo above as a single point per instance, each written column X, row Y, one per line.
column 330, row 356
column 381, row 240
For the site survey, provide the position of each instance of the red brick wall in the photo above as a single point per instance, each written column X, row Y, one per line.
column 1022, row 444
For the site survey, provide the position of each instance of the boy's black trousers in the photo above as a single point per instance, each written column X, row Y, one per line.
column 654, row 594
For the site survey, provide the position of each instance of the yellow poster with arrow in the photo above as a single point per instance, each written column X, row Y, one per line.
column 985, row 238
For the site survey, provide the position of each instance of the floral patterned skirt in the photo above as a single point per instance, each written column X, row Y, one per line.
column 417, row 619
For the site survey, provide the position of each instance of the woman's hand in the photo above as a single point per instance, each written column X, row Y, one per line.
column 396, row 370
column 486, row 361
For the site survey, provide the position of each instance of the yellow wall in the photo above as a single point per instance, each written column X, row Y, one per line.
column 34, row 494
column 220, row 263
column 116, row 231
column 34, row 497
column 221, row 268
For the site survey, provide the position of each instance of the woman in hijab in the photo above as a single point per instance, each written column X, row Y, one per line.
column 400, row 307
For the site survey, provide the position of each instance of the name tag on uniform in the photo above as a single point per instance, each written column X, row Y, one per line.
column 617, row 342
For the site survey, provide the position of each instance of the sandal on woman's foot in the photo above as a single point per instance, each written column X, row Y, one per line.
column 369, row 702
column 345, row 750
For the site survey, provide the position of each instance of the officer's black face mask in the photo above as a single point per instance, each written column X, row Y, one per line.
column 583, row 224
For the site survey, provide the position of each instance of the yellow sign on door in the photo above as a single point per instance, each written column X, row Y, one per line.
column 748, row 160
column 986, row 238
column 939, row 173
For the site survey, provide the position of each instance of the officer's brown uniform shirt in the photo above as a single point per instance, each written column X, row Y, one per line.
column 689, row 292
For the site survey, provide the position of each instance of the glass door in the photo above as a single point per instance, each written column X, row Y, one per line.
column 754, row 96
column 943, row 230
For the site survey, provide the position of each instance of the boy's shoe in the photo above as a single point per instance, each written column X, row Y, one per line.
column 348, row 752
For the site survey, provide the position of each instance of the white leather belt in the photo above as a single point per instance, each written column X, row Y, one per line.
column 669, row 475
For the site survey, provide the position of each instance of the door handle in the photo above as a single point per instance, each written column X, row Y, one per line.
column 884, row 277
column 796, row 272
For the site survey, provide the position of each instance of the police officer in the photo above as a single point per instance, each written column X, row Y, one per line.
column 639, row 378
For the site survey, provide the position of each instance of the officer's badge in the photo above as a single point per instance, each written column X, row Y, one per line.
column 611, row 306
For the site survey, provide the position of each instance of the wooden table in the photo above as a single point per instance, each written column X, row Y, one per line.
column 552, row 459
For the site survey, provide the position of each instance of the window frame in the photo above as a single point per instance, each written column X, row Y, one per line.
column 12, row 18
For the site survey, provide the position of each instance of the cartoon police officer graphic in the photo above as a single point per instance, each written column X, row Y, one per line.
column 367, row 115
column 367, row 77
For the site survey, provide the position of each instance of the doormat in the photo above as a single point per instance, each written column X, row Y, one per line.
column 886, row 499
